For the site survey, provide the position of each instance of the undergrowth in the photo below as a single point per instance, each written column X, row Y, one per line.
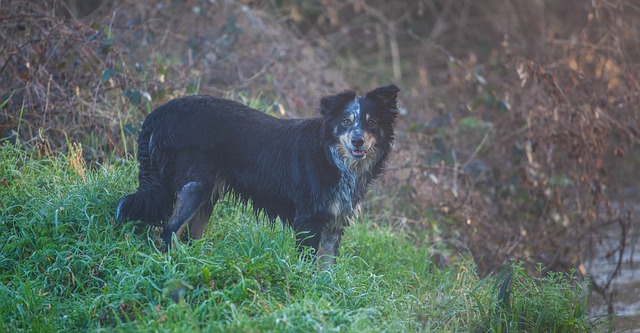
column 66, row 266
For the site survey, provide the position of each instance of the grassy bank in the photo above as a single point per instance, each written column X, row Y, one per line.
column 65, row 266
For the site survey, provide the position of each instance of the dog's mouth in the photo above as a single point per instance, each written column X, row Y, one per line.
column 358, row 153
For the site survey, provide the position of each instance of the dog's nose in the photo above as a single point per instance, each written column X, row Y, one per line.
column 357, row 141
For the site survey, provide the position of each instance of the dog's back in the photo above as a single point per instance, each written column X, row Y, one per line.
column 311, row 173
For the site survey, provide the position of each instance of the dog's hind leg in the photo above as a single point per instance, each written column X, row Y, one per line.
column 191, row 197
column 200, row 220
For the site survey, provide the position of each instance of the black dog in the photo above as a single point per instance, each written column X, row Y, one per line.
column 311, row 173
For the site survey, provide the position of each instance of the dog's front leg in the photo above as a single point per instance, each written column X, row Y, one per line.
column 308, row 228
column 329, row 242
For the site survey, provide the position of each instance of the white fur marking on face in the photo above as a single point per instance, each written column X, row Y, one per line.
column 353, row 109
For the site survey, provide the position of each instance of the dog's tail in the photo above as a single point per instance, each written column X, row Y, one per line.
column 152, row 202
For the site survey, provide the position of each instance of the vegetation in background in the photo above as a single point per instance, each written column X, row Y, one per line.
column 519, row 136
column 522, row 127
column 66, row 266
column 92, row 81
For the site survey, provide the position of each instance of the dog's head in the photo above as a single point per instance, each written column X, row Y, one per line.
column 361, row 127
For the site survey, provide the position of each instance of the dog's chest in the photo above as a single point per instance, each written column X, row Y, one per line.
column 345, row 201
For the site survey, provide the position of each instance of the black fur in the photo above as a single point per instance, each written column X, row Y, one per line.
column 311, row 173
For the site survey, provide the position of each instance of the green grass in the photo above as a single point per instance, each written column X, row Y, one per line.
column 65, row 266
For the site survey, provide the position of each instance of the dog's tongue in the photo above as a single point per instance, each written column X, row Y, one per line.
column 357, row 153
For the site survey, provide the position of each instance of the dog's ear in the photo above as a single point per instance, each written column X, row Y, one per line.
column 334, row 103
column 387, row 95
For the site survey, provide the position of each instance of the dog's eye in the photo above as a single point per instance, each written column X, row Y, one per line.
column 347, row 122
column 372, row 123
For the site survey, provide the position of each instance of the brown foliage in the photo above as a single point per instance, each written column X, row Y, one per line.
column 521, row 123
column 521, row 129
column 91, row 80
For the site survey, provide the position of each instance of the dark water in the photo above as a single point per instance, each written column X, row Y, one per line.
column 626, row 286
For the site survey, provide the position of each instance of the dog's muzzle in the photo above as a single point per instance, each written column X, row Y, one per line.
column 357, row 148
